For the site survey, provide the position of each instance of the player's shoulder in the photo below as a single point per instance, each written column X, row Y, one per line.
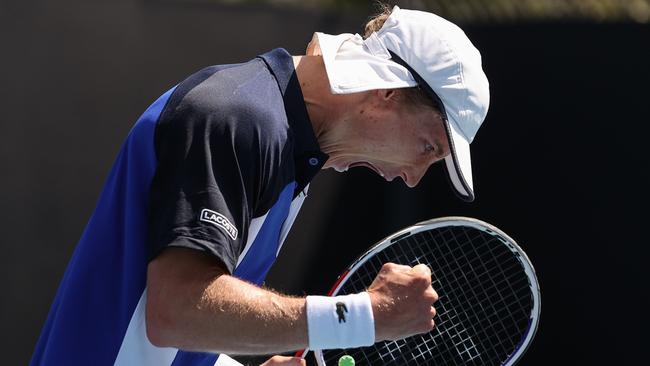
column 241, row 96
column 248, row 88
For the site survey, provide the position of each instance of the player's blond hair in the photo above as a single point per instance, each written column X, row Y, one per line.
column 377, row 21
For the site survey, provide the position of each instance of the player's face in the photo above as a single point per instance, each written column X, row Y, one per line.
column 397, row 142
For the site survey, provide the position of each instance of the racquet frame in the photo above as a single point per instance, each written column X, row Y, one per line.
column 445, row 222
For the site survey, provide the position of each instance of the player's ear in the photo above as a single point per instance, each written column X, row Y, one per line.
column 382, row 99
column 387, row 94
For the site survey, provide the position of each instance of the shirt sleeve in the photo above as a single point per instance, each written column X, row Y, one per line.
column 215, row 164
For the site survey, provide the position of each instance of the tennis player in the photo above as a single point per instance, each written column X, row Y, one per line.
column 211, row 178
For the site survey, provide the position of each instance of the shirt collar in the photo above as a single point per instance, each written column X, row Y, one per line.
column 308, row 157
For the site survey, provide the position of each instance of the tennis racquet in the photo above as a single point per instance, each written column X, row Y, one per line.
column 489, row 299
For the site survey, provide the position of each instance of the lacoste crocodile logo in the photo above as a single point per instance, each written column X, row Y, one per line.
column 341, row 309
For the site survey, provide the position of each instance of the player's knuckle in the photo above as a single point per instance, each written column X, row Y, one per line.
column 422, row 280
column 424, row 326
column 430, row 295
column 436, row 297
column 431, row 324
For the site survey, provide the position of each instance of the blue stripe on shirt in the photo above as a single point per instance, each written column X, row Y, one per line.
column 107, row 273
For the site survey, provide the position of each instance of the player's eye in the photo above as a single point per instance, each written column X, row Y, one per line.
column 428, row 148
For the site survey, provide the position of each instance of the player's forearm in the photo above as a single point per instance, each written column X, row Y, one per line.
column 220, row 313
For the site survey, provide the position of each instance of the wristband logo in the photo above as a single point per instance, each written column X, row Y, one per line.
column 219, row 221
column 341, row 309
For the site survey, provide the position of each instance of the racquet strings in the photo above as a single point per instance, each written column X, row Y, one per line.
column 484, row 305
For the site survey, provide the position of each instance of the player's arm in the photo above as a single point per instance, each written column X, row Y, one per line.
column 193, row 304
column 219, row 168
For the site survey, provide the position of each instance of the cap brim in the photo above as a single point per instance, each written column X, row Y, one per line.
column 459, row 163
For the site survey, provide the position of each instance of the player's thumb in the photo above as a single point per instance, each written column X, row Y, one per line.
column 422, row 269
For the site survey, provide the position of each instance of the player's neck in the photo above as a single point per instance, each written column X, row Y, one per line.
column 326, row 110
column 312, row 77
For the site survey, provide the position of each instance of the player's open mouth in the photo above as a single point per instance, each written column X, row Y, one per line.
column 367, row 165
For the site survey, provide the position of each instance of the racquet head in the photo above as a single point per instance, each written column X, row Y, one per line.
column 489, row 299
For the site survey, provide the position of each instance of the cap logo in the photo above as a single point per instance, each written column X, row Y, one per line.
column 219, row 221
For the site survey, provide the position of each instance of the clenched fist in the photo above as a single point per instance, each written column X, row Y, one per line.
column 402, row 301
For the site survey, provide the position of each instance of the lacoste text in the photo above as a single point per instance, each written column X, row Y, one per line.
column 220, row 221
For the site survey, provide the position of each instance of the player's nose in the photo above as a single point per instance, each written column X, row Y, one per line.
column 413, row 177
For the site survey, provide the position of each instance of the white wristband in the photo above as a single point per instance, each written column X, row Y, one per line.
column 340, row 322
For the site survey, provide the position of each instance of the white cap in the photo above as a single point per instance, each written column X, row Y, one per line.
column 418, row 48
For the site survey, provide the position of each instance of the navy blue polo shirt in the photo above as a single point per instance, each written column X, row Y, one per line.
column 220, row 163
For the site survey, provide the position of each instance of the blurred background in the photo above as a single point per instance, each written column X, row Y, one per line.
column 561, row 163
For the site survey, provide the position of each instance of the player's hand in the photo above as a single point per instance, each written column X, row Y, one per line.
column 284, row 361
column 402, row 301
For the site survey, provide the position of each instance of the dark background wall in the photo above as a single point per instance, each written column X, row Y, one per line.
column 560, row 164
